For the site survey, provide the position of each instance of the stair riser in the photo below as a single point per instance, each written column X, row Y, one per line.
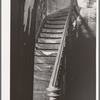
column 62, row 15
column 50, row 35
column 57, row 19
column 47, row 46
column 40, row 96
column 40, row 85
column 44, row 59
column 42, row 75
column 36, row 69
column 43, row 40
column 56, row 22
column 45, row 53
column 44, row 66
column 52, row 30
column 54, row 26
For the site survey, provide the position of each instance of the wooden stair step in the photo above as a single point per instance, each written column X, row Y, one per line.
column 40, row 95
column 40, row 85
column 38, row 59
column 43, row 66
column 50, row 35
column 45, row 75
column 37, row 68
column 40, row 92
column 54, row 26
column 41, row 79
column 47, row 46
column 35, row 98
column 44, row 40
column 56, row 22
column 58, row 18
column 52, row 30
column 62, row 15
column 46, row 52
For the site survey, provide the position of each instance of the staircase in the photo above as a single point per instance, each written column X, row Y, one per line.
column 46, row 50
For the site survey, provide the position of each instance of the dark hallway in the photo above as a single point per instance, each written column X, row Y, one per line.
column 81, row 70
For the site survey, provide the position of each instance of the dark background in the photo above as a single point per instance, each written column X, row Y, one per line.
column 81, row 70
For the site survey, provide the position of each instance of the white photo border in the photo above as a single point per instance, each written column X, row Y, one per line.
column 5, row 50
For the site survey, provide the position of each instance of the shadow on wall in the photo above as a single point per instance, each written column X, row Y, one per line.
column 53, row 5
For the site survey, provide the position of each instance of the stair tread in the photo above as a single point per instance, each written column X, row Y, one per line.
column 42, row 75
column 44, row 40
column 36, row 98
column 38, row 59
column 44, row 66
column 52, row 30
column 58, row 18
column 40, row 85
column 62, row 15
column 56, row 22
column 47, row 46
column 42, row 78
column 54, row 26
column 40, row 98
column 37, row 68
column 45, row 35
column 40, row 92
column 40, row 95
column 45, row 52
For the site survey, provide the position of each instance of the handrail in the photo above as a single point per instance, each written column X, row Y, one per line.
column 53, row 79
column 83, row 22
column 52, row 84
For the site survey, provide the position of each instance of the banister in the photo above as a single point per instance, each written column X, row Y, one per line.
column 52, row 89
column 83, row 21
column 52, row 85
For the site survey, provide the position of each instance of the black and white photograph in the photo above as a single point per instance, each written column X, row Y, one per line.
column 53, row 50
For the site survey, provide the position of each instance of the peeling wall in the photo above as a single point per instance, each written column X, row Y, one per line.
column 29, row 4
column 41, row 12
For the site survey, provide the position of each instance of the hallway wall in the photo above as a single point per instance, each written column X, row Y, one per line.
column 53, row 5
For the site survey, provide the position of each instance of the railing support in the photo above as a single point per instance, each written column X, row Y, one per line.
column 53, row 90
